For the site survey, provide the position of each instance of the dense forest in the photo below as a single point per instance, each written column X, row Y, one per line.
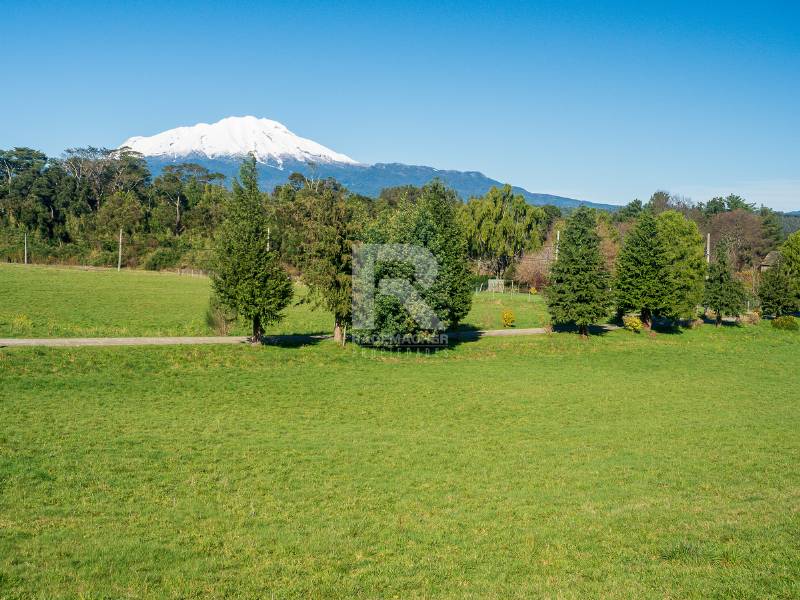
column 73, row 209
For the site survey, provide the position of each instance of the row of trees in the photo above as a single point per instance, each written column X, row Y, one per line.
column 660, row 272
column 314, row 226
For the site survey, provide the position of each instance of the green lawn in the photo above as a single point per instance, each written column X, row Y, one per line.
column 40, row 301
column 623, row 466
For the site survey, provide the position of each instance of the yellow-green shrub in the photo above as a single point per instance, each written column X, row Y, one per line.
column 508, row 318
column 632, row 323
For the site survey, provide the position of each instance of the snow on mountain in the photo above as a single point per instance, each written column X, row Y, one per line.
column 270, row 141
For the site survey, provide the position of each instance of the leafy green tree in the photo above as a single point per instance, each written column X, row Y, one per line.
column 431, row 221
column 331, row 221
column 247, row 275
column 686, row 263
column 122, row 211
column 579, row 282
column 643, row 280
column 775, row 291
column 724, row 293
column 501, row 226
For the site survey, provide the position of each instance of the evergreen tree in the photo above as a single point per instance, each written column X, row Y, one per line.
column 724, row 294
column 431, row 221
column 685, row 262
column 247, row 275
column 643, row 280
column 790, row 256
column 776, row 293
column 578, row 291
column 331, row 221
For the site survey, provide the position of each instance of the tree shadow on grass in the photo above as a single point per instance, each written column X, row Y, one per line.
column 295, row 340
column 447, row 340
column 593, row 330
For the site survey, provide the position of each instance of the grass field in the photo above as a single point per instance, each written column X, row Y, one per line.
column 38, row 301
column 623, row 466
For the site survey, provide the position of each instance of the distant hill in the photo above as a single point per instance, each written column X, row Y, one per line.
column 221, row 146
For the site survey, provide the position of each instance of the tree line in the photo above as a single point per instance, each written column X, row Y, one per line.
column 660, row 272
column 646, row 257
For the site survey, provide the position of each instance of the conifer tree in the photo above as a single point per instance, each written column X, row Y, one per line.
column 578, row 291
column 685, row 261
column 331, row 221
column 247, row 275
column 725, row 294
column 643, row 279
column 790, row 257
column 432, row 222
column 775, row 291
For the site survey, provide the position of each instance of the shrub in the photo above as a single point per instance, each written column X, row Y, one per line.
column 787, row 323
column 532, row 290
column 751, row 318
column 632, row 323
column 508, row 318
column 162, row 258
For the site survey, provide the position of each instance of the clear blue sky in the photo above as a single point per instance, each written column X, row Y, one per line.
column 602, row 101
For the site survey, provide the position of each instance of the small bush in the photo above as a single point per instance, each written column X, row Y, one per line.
column 532, row 290
column 751, row 318
column 786, row 323
column 508, row 318
column 632, row 323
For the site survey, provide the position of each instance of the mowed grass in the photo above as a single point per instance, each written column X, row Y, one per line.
column 621, row 467
column 42, row 301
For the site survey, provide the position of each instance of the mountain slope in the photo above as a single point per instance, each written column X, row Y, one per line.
column 221, row 146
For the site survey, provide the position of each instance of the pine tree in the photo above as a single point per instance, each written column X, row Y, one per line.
column 578, row 291
column 725, row 294
column 776, row 293
column 685, row 261
column 438, row 227
column 247, row 275
column 643, row 280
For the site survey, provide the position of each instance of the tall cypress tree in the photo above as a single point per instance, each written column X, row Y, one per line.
column 725, row 294
column 643, row 280
column 579, row 282
column 247, row 275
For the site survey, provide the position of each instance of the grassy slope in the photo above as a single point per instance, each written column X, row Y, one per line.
column 623, row 466
column 57, row 302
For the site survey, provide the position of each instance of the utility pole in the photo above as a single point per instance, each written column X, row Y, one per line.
column 119, row 254
column 268, row 232
column 26, row 247
column 558, row 241
column 708, row 248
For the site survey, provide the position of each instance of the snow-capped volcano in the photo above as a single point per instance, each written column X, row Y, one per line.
column 268, row 140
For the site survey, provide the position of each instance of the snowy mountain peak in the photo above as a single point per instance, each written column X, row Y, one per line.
column 270, row 141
